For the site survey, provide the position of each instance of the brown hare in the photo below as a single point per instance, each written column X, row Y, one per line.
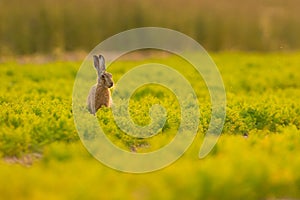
column 99, row 94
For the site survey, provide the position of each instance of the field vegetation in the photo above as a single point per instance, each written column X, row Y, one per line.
column 257, row 156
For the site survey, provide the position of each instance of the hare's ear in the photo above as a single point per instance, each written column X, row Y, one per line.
column 96, row 62
column 99, row 64
column 102, row 63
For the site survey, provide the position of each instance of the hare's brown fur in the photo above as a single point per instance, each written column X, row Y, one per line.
column 102, row 97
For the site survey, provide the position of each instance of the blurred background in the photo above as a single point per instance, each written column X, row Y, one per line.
column 55, row 26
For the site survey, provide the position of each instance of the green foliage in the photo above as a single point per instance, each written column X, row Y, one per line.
column 262, row 102
column 35, row 108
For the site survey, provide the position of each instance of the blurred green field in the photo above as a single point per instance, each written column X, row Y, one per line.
column 54, row 26
column 263, row 92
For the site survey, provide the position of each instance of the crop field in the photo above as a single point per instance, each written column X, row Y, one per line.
column 256, row 157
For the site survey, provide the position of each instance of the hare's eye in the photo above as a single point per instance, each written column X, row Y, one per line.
column 102, row 76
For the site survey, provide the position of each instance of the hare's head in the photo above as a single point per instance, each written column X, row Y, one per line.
column 104, row 78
